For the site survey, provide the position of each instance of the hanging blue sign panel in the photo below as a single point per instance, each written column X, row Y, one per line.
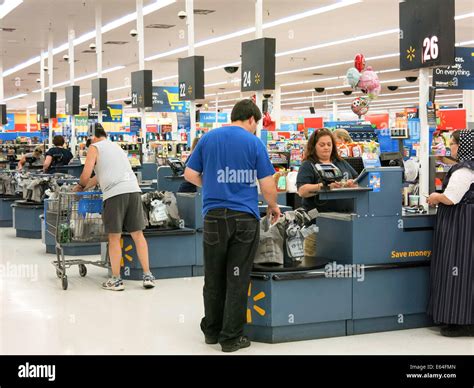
column 113, row 114
column 166, row 99
column 210, row 117
column 458, row 76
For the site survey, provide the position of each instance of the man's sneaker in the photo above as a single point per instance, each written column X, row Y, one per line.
column 148, row 281
column 242, row 342
column 113, row 284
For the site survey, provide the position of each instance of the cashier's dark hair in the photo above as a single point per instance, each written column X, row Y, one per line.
column 99, row 130
column 245, row 109
column 58, row 141
column 310, row 152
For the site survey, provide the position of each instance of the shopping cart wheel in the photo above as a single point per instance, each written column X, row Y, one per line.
column 82, row 270
column 64, row 282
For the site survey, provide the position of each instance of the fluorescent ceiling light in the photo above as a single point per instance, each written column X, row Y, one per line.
column 338, row 42
column 112, row 69
column 311, row 81
column 226, row 100
column 393, row 80
column 396, row 100
column 216, row 84
column 158, row 4
column 7, row 6
column 225, row 37
column 314, row 67
column 408, row 87
column 413, row 103
column 118, row 99
column 221, row 93
column 15, row 97
column 82, row 78
column 166, row 54
column 387, row 71
column 250, row 30
column 376, row 102
column 465, row 16
column 337, row 64
column 333, row 78
column 326, row 97
column 222, row 66
column 119, row 88
column 312, row 12
column 465, row 43
column 165, row 78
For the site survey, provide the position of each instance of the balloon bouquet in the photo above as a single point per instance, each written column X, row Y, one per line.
column 365, row 79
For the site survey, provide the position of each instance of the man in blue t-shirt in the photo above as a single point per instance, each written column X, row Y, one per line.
column 227, row 163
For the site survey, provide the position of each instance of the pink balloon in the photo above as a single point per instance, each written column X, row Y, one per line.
column 375, row 92
column 369, row 81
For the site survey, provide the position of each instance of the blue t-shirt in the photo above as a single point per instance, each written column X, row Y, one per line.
column 231, row 161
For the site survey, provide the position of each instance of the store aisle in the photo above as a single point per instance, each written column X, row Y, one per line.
column 38, row 317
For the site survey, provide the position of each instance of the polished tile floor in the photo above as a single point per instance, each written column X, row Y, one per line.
column 38, row 317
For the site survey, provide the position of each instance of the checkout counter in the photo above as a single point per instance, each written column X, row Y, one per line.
column 166, row 181
column 176, row 252
column 371, row 273
column 26, row 218
column 6, row 211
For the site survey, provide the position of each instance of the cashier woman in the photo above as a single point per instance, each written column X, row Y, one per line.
column 321, row 148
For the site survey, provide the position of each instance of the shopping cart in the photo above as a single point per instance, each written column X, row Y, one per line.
column 75, row 218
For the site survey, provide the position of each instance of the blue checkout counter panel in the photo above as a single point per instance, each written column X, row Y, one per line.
column 368, row 233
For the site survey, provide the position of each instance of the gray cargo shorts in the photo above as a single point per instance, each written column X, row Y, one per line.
column 124, row 212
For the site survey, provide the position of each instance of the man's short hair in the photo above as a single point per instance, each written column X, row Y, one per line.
column 245, row 109
column 58, row 141
column 99, row 130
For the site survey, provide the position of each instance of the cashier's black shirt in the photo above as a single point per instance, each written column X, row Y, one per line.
column 61, row 157
column 308, row 175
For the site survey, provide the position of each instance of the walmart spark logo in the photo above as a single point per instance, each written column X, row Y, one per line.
column 257, row 78
column 125, row 255
column 261, row 295
column 411, row 54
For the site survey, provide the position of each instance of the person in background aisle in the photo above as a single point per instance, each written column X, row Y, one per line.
column 57, row 156
column 227, row 163
column 343, row 141
column 122, row 203
column 321, row 148
column 36, row 158
column 188, row 187
column 342, row 137
column 452, row 264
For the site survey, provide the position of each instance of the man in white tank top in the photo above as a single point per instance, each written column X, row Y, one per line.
column 122, row 203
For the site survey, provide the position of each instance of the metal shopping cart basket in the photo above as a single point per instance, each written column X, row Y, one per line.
column 75, row 218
